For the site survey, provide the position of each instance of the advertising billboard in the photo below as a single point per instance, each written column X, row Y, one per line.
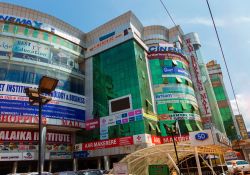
column 29, row 50
column 14, row 104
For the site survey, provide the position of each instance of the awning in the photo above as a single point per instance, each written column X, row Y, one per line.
column 139, row 161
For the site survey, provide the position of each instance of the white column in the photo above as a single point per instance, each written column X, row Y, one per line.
column 44, row 131
column 14, row 168
column 75, row 164
column 99, row 163
column 50, row 165
column 197, row 161
column 106, row 163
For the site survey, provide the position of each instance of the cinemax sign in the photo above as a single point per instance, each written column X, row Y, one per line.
column 19, row 20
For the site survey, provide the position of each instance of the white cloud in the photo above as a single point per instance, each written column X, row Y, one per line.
column 242, row 19
column 243, row 100
column 203, row 21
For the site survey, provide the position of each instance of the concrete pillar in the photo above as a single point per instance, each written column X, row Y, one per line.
column 50, row 165
column 43, row 149
column 106, row 163
column 197, row 161
column 14, row 168
column 99, row 163
column 75, row 164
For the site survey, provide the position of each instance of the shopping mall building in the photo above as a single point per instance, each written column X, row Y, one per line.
column 120, row 87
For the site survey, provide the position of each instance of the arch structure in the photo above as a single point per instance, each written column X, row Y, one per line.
column 139, row 161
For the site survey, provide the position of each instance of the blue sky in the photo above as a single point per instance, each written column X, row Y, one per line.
column 232, row 19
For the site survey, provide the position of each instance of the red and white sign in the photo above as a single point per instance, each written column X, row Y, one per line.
column 108, row 143
column 120, row 168
column 156, row 140
column 203, row 100
column 92, row 124
column 4, row 118
column 18, row 119
column 20, row 135
column 168, row 139
column 142, row 138
column 29, row 156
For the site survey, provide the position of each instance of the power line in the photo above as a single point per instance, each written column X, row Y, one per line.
column 168, row 13
column 223, row 56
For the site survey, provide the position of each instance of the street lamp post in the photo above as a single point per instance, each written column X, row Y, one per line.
column 46, row 86
column 173, row 131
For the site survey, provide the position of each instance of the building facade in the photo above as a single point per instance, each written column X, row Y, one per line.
column 120, row 87
column 225, row 108
column 33, row 44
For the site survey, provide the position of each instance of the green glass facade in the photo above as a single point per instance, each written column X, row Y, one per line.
column 222, row 99
column 118, row 72
column 174, row 94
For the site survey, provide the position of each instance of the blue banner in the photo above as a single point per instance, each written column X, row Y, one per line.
column 81, row 154
column 23, row 108
column 175, row 70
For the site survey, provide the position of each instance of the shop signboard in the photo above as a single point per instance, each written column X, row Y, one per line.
column 158, row 170
column 6, row 44
column 29, row 156
column 60, row 155
column 117, row 119
column 92, row 124
column 201, row 138
column 80, row 154
column 175, row 70
column 10, row 156
column 167, row 96
column 100, row 144
column 109, row 38
column 26, row 135
column 142, row 138
column 177, row 138
column 156, row 140
column 64, row 105
column 120, row 168
column 29, row 50
column 198, row 84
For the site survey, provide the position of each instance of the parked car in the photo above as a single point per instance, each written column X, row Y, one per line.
column 235, row 166
column 65, row 173
column 90, row 172
column 36, row 173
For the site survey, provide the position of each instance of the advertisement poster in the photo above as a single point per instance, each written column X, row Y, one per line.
column 14, row 104
column 29, row 50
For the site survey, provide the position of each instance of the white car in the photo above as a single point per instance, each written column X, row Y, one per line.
column 238, row 166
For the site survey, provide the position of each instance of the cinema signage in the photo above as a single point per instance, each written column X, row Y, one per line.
column 19, row 20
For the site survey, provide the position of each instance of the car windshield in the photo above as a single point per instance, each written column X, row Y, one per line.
column 229, row 163
column 242, row 162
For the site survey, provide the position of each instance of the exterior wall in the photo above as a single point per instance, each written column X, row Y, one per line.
column 33, row 44
column 220, row 92
column 242, row 126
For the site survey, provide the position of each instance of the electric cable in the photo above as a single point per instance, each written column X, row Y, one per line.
column 223, row 56
column 168, row 13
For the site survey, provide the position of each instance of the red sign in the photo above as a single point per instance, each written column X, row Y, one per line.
column 92, row 124
column 4, row 118
column 21, row 136
column 168, row 139
column 108, row 143
column 156, row 140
